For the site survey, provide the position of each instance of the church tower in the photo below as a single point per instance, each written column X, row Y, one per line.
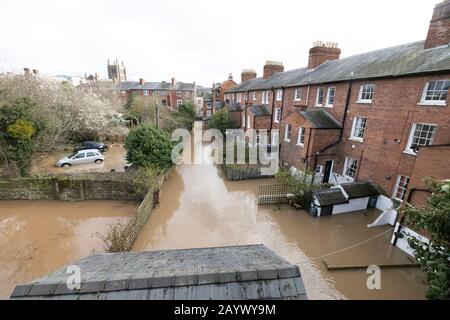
column 116, row 71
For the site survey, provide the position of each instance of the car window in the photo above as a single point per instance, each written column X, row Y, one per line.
column 80, row 156
column 90, row 154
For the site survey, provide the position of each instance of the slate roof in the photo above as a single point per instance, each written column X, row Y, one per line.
column 135, row 85
column 228, row 273
column 360, row 190
column 235, row 107
column 321, row 119
column 330, row 197
column 261, row 110
column 407, row 59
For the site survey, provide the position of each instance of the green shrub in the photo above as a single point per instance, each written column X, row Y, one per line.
column 184, row 116
column 221, row 121
column 21, row 130
column 149, row 147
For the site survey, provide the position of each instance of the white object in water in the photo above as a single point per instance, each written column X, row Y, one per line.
column 389, row 216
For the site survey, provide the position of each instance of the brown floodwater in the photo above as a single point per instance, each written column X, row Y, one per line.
column 199, row 208
column 38, row 237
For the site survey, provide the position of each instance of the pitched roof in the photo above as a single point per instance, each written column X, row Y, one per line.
column 321, row 119
column 360, row 190
column 135, row 85
column 407, row 59
column 261, row 110
column 228, row 273
column 330, row 197
column 235, row 107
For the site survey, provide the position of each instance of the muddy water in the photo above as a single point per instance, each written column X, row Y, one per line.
column 37, row 237
column 201, row 209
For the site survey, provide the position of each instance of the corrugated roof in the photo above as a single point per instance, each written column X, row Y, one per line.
column 396, row 61
column 228, row 273
column 321, row 119
column 330, row 197
column 360, row 190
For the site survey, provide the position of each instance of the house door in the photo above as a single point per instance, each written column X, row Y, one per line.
column 327, row 171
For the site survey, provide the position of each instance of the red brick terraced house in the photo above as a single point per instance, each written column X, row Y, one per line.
column 382, row 116
column 171, row 94
column 218, row 94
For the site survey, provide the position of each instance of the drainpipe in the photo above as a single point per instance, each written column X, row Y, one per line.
column 341, row 134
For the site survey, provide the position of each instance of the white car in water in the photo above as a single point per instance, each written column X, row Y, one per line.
column 81, row 157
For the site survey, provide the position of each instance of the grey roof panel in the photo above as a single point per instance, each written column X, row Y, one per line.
column 330, row 197
column 321, row 119
column 261, row 110
column 214, row 273
column 360, row 190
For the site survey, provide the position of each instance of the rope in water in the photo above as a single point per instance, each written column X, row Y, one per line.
column 353, row 246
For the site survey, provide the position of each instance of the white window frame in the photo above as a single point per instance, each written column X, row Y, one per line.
column 328, row 104
column 301, row 134
column 288, row 133
column 423, row 100
column 298, row 95
column 355, row 122
column 275, row 138
column 319, row 169
column 346, row 166
column 208, row 105
column 243, row 121
column 410, row 150
column 145, row 92
column 400, row 184
column 277, row 116
column 208, row 113
column 279, row 95
column 263, row 97
column 321, row 89
column 248, row 122
column 238, row 99
column 254, row 96
column 361, row 92
column 179, row 103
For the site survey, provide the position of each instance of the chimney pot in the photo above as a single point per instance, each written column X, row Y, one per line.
column 272, row 67
column 439, row 30
column 247, row 74
column 322, row 52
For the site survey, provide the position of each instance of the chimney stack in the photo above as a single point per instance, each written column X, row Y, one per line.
column 35, row 71
column 26, row 71
column 439, row 31
column 247, row 74
column 174, row 81
column 272, row 67
column 141, row 81
column 322, row 52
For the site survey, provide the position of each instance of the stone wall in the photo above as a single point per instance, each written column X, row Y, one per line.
column 93, row 186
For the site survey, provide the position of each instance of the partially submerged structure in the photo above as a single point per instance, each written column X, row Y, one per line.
column 228, row 273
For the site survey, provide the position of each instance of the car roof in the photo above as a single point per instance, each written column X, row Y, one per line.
column 97, row 142
column 89, row 150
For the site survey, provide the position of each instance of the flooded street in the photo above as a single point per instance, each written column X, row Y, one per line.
column 37, row 237
column 201, row 209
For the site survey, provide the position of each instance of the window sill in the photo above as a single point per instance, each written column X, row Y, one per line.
column 432, row 104
column 287, row 141
column 300, row 145
column 297, row 100
column 410, row 153
column 275, row 121
column 356, row 139
column 328, row 106
column 318, row 106
column 364, row 101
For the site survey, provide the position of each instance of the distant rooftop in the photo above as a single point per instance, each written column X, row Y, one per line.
column 136, row 85
column 227, row 273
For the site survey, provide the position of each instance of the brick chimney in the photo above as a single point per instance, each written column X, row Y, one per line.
column 322, row 52
column 26, row 71
column 439, row 31
column 35, row 71
column 272, row 67
column 247, row 74
column 173, row 81
column 141, row 81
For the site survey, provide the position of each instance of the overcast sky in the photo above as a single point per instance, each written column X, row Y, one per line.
column 196, row 40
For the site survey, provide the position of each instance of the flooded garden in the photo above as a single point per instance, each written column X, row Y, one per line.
column 37, row 237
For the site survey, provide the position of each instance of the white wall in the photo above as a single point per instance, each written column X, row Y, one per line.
column 402, row 243
column 384, row 203
column 353, row 205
